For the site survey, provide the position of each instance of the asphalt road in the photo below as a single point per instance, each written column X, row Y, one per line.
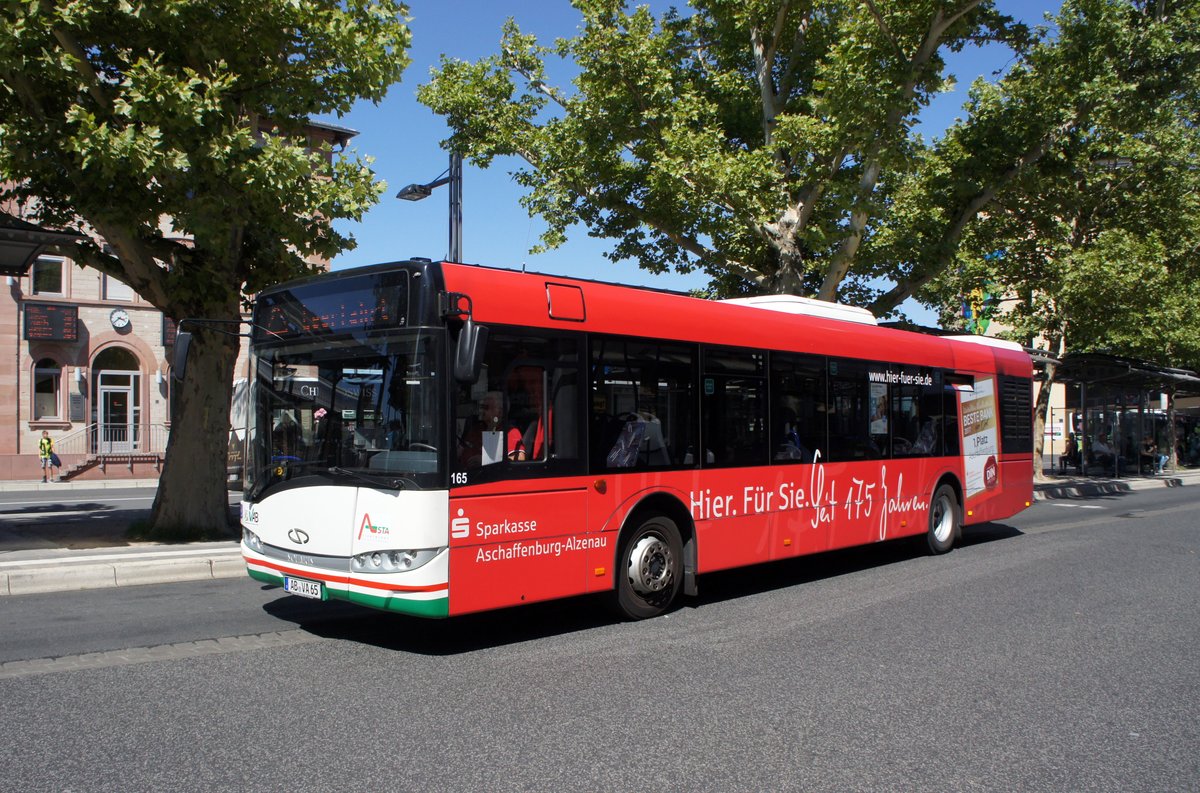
column 1056, row 651
column 74, row 517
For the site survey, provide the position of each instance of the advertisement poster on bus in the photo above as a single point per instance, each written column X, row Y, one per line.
column 879, row 408
column 980, row 443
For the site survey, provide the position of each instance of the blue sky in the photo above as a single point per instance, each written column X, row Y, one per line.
column 403, row 137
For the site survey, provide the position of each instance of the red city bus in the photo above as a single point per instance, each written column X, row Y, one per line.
column 438, row 439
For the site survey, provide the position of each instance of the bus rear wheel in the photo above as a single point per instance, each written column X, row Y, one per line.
column 650, row 568
column 944, row 520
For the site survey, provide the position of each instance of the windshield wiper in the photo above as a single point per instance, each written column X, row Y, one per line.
column 285, row 468
column 397, row 482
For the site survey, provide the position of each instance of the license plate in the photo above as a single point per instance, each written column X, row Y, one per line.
column 303, row 588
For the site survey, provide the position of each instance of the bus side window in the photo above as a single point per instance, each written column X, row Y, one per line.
column 523, row 410
column 916, row 414
column 643, row 404
column 734, row 407
column 798, row 409
column 859, row 421
column 950, row 425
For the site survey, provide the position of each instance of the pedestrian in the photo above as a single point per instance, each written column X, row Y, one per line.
column 46, row 454
column 1070, row 456
column 1102, row 452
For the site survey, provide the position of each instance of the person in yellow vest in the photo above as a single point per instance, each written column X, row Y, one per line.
column 46, row 453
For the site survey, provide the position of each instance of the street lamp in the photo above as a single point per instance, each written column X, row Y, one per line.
column 453, row 177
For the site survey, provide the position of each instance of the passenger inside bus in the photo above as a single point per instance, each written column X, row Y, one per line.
column 285, row 437
column 526, row 392
column 489, row 438
column 790, row 446
column 653, row 445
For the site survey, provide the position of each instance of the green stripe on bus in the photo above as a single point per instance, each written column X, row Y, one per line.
column 265, row 577
column 439, row 607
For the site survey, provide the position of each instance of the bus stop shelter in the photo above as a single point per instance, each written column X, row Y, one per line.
column 1119, row 398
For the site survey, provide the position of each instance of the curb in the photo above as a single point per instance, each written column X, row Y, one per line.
column 38, row 486
column 80, row 570
column 1078, row 488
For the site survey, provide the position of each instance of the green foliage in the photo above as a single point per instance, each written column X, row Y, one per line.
column 176, row 132
column 752, row 140
column 115, row 115
column 1099, row 244
column 769, row 143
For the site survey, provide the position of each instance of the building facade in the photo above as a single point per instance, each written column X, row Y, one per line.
column 86, row 360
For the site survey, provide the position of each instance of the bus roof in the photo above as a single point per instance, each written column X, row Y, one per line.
column 547, row 301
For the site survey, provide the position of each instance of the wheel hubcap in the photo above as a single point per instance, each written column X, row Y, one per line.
column 943, row 519
column 651, row 568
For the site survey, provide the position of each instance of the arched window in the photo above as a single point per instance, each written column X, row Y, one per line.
column 47, row 390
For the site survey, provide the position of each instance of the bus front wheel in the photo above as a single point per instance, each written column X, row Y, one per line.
column 943, row 520
column 650, row 568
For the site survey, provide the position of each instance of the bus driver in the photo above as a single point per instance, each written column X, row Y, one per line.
column 481, row 441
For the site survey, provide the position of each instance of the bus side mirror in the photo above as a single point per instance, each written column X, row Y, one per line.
column 468, row 352
column 183, row 341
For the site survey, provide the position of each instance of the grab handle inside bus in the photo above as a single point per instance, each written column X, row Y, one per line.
column 468, row 352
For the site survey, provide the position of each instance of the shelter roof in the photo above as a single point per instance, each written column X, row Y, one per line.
column 1119, row 371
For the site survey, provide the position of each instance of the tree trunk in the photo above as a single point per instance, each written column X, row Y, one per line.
column 1056, row 345
column 192, row 501
column 1040, row 410
column 1172, row 433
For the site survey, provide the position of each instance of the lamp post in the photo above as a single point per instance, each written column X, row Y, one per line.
column 453, row 177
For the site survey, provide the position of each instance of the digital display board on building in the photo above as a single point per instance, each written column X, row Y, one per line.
column 169, row 331
column 51, row 322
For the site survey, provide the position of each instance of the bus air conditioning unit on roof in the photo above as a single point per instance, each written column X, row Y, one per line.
column 791, row 304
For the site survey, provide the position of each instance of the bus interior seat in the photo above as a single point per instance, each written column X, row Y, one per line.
column 565, row 445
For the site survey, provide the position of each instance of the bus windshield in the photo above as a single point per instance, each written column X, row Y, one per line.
column 366, row 410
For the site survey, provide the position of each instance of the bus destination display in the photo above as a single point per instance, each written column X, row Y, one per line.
column 335, row 307
column 47, row 322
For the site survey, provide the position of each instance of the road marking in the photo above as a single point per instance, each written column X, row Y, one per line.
column 101, row 500
column 1076, row 506
column 61, row 500
column 56, row 514
column 136, row 556
column 161, row 652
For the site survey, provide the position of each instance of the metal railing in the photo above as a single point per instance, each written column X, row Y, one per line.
column 108, row 440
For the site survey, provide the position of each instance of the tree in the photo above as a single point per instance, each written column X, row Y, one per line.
column 118, row 115
column 1098, row 247
column 751, row 139
column 770, row 143
column 1113, row 68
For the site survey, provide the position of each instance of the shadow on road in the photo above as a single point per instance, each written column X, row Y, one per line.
column 76, row 525
column 91, row 525
column 474, row 632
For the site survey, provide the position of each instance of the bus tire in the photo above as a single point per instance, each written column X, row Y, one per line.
column 944, row 520
column 649, row 568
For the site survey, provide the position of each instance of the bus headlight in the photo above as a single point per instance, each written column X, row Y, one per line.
column 392, row 561
column 251, row 541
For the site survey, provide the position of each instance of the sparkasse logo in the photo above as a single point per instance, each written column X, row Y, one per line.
column 460, row 527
